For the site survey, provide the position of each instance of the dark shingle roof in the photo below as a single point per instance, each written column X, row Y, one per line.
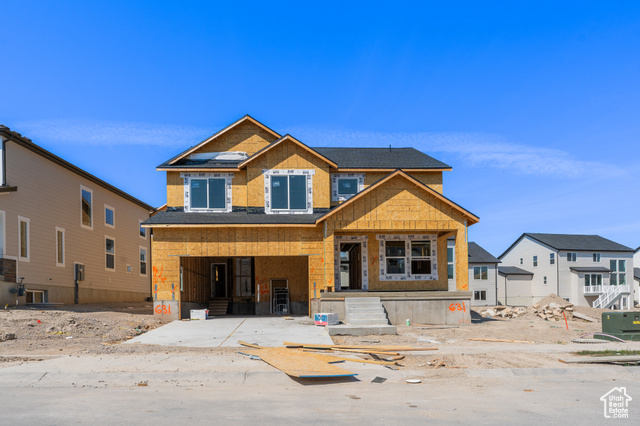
column 573, row 242
column 233, row 218
column 512, row 270
column 590, row 269
column 636, row 273
column 479, row 255
column 381, row 158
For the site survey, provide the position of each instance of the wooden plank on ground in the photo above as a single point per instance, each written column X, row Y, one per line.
column 602, row 359
column 584, row 317
column 500, row 340
column 380, row 348
column 298, row 364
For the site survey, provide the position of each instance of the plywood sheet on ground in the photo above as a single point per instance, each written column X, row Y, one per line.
column 298, row 364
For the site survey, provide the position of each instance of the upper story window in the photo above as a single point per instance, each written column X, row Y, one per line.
column 288, row 191
column 207, row 192
column 618, row 271
column 596, row 257
column 24, row 237
column 572, row 257
column 408, row 257
column 142, row 231
column 535, row 260
column 346, row 185
column 552, row 258
column 109, row 216
column 480, row 272
column 110, row 253
column 86, row 208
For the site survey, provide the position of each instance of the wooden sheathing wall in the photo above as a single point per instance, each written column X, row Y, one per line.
column 175, row 188
column 196, row 279
column 246, row 137
column 400, row 206
column 287, row 155
column 292, row 268
column 170, row 244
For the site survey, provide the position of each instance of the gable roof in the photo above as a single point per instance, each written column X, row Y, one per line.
column 472, row 218
column 479, row 255
column 290, row 138
column 212, row 137
column 512, row 270
column 572, row 242
column 381, row 158
column 12, row 136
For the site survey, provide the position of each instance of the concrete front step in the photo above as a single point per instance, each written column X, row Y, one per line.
column 361, row 330
column 380, row 316
column 372, row 310
column 367, row 322
column 354, row 300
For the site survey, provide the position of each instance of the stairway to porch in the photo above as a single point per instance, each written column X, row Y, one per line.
column 365, row 311
column 218, row 307
column 610, row 295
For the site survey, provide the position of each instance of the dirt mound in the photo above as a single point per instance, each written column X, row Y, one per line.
column 553, row 298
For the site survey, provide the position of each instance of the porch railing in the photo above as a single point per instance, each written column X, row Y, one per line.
column 593, row 289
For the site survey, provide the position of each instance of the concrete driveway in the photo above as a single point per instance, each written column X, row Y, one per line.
column 227, row 331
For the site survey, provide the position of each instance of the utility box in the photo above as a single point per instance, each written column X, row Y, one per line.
column 79, row 272
column 624, row 325
column 326, row 319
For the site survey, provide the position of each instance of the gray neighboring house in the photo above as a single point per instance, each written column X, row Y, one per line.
column 55, row 216
column 636, row 275
column 587, row 270
column 483, row 276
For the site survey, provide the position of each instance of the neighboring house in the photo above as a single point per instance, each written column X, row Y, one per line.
column 54, row 216
column 586, row 270
column 483, row 276
column 636, row 275
column 258, row 223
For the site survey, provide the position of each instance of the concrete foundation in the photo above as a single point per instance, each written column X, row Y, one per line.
column 419, row 307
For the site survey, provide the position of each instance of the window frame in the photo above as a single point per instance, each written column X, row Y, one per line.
column 28, row 239
column 544, row 280
column 617, row 273
column 141, row 228
column 3, row 233
column 552, row 258
column 106, row 254
column 597, row 257
column 91, row 216
column 572, row 256
column 146, row 261
column 43, row 293
column 228, row 199
column 108, row 207
column 482, row 270
column 535, row 261
column 335, row 185
column 64, row 243
column 480, row 295
column 408, row 239
column 268, row 174
column 451, row 263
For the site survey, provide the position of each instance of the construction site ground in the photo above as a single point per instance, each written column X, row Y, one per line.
column 78, row 349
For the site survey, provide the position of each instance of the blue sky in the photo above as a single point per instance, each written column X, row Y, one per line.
column 535, row 105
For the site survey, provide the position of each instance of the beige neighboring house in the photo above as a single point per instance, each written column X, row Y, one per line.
column 54, row 216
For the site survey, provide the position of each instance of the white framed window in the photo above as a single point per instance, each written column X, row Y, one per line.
column 60, row 246
column 480, row 295
column 143, row 261
column 86, row 207
column 142, row 230
column 451, row 259
column 346, row 185
column 24, row 237
column 3, row 232
column 535, row 260
column 572, row 257
column 481, row 273
column 109, row 216
column 110, row 253
column 207, row 192
column 408, row 257
column 592, row 279
column 596, row 257
column 288, row 191
column 618, row 271
column 552, row 258
column 2, row 162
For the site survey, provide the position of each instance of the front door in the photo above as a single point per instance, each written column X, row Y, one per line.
column 218, row 280
column 351, row 266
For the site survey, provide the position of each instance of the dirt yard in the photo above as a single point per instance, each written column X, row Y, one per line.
column 98, row 328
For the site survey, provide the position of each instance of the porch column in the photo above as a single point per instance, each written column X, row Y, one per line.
column 462, row 260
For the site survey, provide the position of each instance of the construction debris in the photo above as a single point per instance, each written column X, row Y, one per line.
column 377, row 348
column 625, row 359
column 500, row 340
column 584, row 317
column 7, row 336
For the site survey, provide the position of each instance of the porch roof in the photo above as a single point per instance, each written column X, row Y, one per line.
column 591, row 269
column 512, row 270
column 181, row 218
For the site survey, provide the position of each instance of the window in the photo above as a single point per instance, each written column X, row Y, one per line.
column 618, row 272
column 346, row 185
column 480, row 273
column 109, row 216
column 544, row 280
column 86, row 209
column 535, row 260
column 142, row 231
column 3, row 232
column 207, row 192
column 407, row 257
column 2, row 162
column 596, row 257
column 592, row 279
column 450, row 263
column 521, row 261
column 59, row 246
column 288, row 191
column 110, row 253
column 480, row 295
column 143, row 261
column 24, row 249
column 35, row 296
column 571, row 257
column 552, row 258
